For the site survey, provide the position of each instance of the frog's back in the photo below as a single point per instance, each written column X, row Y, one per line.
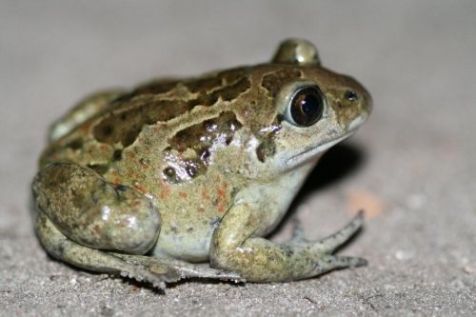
column 155, row 101
column 119, row 123
column 169, row 107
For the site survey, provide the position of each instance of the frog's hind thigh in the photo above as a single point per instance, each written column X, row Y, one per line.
column 60, row 247
column 94, row 213
column 84, row 110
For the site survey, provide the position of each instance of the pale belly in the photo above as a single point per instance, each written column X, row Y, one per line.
column 190, row 242
column 192, row 251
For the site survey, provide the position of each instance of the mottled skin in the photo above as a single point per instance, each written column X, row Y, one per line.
column 144, row 183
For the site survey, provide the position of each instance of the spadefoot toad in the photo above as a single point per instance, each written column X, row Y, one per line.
column 146, row 183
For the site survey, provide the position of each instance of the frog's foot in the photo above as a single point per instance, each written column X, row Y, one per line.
column 174, row 270
column 328, row 263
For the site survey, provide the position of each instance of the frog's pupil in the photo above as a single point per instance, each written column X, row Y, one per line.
column 309, row 104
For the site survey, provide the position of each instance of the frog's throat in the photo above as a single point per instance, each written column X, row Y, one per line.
column 310, row 153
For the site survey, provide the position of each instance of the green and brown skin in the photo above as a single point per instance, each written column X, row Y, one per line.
column 146, row 182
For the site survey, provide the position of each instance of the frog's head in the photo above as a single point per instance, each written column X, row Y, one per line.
column 306, row 108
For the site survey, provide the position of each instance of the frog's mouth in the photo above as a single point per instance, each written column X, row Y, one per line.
column 312, row 152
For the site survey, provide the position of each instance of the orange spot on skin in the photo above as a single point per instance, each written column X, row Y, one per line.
column 85, row 127
column 221, row 198
column 360, row 199
column 205, row 194
column 140, row 188
column 221, row 193
column 183, row 194
column 165, row 191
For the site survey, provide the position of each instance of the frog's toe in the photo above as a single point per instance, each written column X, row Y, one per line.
column 331, row 243
column 168, row 270
column 149, row 269
column 358, row 262
column 144, row 275
column 331, row 262
column 189, row 270
column 215, row 274
column 161, row 271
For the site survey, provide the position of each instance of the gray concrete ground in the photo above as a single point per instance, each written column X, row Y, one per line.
column 412, row 166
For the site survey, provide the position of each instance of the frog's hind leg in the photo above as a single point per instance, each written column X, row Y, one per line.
column 86, row 221
column 95, row 213
column 155, row 271
column 179, row 269
column 81, row 217
column 62, row 248
column 84, row 110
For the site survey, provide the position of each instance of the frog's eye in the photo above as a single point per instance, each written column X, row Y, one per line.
column 306, row 106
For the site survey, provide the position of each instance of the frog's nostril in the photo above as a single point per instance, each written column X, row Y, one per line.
column 351, row 95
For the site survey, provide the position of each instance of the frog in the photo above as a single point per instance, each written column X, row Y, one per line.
column 186, row 177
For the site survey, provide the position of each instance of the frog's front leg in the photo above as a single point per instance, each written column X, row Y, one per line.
column 84, row 220
column 235, row 247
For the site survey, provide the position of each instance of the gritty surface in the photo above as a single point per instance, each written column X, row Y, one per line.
column 411, row 167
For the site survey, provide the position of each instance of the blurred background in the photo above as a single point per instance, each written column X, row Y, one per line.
column 412, row 166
